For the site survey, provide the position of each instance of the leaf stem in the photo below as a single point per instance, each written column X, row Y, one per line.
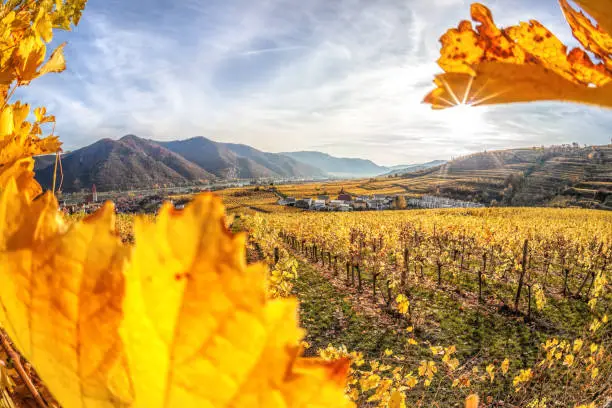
column 22, row 373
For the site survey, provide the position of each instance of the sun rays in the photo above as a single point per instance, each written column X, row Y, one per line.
column 468, row 96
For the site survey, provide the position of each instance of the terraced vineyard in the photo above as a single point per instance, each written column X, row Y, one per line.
column 555, row 176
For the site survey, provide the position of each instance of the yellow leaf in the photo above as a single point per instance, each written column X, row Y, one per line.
column 181, row 321
column 397, row 400
column 601, row 11
column 594, row 39
column 471, row 401
column 521, row 63
column 187, row 271
column 7, row 124
column 30, row 55
column 56, row 62
column 62, row 296
column 21, row 172
column 505, row 365
column 43, row 25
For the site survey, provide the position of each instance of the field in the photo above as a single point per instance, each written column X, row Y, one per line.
column 479, row 286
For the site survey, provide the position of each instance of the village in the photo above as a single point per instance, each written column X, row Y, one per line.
column 346, row 202
column 150, row 201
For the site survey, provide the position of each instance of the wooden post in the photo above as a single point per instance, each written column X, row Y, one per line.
column 348, row 273
column 374, row 276
column 529, row 302
column 522, row 276
column 480, row 272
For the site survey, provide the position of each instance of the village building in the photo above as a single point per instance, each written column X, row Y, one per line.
column 318, row 205
column 304, row 203
column 360, row 205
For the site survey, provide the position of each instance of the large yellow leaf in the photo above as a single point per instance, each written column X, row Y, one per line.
column 61, row 297
column 522, row 63
column 179, row 320
column 199, row 328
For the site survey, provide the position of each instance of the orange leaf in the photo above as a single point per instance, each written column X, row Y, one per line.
column 471, row 401
column 522, row 63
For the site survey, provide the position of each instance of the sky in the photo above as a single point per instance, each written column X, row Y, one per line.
column 345, row 77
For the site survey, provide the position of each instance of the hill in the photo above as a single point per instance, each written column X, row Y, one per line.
column 132, row 162
column 122, row 164
column 338, row 166
column 563, row 175
column 227, row 160
column 403, row 169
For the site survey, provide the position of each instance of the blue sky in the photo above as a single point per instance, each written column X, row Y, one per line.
column 341, row 76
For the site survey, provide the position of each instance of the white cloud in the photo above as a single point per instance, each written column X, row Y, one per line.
column 346, row 77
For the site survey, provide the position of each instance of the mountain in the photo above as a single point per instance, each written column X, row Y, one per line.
column 228, row 160
column 127, row 163
column 337, row 166
column 132, row 162
column 403, row 169
column 176, row 162
column 279, row 163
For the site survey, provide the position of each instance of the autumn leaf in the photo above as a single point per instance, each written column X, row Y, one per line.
column 523, row 63
column 30, row 55
column 601, row 11
column 177, row 320
column 21, row 172
column 55, row 63
column 471, row 401
column 61, row 297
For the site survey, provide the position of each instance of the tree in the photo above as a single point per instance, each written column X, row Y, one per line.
column 399, row 202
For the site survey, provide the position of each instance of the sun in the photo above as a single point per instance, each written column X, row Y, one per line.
column 464, row 122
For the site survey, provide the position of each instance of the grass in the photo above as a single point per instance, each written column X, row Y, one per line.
column 329, row 318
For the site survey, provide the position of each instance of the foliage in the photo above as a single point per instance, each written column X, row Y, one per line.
column 403, row 251
column 525, row 63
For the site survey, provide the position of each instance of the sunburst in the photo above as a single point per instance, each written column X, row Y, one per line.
column 467, row 99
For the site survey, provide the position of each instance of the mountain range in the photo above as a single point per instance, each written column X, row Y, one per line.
column 133, row 162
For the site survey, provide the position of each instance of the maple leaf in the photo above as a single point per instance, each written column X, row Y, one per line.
column 178, row 319
column 524, row 63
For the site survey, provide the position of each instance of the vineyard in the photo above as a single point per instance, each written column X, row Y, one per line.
column 490, row 307
column 556, row 176
column 480, row 296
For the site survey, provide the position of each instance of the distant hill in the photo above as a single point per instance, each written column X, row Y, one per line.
column 402, row 169
column 132, row 162
column 337, row 166
column 562, row 175
column 227, row 160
